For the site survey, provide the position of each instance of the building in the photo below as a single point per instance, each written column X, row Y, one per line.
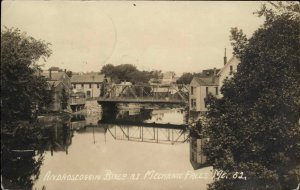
column 227, row 71
column 57, row 89
column 61, row 76
column 58, row 81
column 90, row 84
column 210, row 82
column 199, row 89
column 169, row 78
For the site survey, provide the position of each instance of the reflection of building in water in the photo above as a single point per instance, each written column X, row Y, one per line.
column 197, row 158
column 77, row 122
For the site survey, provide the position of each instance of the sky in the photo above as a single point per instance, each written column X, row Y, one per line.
column 179, row 36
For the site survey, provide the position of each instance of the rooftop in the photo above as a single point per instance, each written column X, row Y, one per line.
column 54, row 75
column 87, row 78
column 207, row 81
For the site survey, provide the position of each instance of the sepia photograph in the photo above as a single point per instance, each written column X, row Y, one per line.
column 150, row 95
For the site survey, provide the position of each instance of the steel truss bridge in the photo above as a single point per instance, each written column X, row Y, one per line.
column 145, row 133
column 127, row 93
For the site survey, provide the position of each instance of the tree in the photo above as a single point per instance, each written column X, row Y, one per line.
column 254, row 128
column 21, row 86
column 64, row 98
column 185, row 78
column 128, row 72
column 69, row 73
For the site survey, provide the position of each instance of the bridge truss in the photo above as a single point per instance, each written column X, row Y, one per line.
column 148, row 134
column 127, row 93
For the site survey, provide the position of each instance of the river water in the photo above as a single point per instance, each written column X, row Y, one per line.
column 130, row 148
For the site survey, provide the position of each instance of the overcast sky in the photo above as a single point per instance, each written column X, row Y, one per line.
column 169, row 36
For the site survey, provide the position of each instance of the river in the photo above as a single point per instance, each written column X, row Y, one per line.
column 132, row 147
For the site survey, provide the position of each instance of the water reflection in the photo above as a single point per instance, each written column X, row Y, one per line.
column 99, row 138
column 21, row 156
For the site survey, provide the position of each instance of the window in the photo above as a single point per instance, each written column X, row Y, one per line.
column 74, row 85
column 206, row 90
column 217, row 91
column 193, row 103
column 88, row 94
column 82, row 85
column 231, row 69
column 192, row 90
column 90, row 85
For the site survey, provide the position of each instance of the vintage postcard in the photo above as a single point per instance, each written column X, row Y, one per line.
column 140, row 95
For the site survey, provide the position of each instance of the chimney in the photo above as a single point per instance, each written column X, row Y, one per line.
column 50, row 74
column 214, row 75
column 225, row 58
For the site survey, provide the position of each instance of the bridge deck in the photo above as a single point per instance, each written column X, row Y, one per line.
column 139, row 100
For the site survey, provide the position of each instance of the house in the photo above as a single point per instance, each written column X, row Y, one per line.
column 90, row 84
column 169, row 78
column 53, row 75
column 57, row 88
column 199, row 89
column 228, row 70
column 210, row 81
column 58, row 81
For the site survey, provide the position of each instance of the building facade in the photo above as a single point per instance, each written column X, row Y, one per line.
column 199, row 89
column 90, row 84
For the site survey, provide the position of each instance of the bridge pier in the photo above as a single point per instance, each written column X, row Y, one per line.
column 109, row 111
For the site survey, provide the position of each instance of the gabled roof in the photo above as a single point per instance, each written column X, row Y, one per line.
column 53, row 83
column 54, row 75
column 207, row 81
column 88, row 78
column 233, row 58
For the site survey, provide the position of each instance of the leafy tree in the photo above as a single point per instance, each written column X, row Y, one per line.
column 185, row 78
column 254, row 128
column 69, row 73
column 64, row 98
column 21, row 87
column 128, row 72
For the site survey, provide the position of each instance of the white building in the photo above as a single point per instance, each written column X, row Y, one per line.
column 227, row 71
column 90, row 84
column 201, row 86
column 199, row 89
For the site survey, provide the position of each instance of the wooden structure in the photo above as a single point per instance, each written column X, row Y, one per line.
column 77, row 101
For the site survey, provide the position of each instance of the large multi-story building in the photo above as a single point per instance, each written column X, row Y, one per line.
column 90, row 84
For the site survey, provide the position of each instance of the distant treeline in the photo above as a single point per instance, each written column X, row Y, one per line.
column 129, row 73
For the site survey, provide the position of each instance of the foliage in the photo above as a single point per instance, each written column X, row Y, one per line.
column 64, row 98
column 254, row 128
column 128, row 72
column 185, row 78
column 69, row 73
column 21, row 87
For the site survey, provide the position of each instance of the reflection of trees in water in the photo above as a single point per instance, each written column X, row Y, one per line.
column 22, row 151
column 21, row 156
